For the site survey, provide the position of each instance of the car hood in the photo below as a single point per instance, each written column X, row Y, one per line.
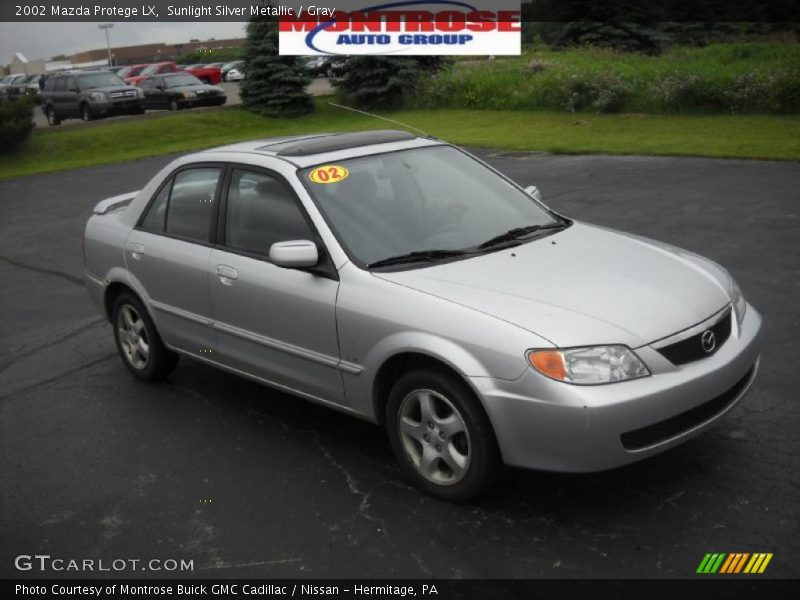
column 204, row 89
column 581, row 286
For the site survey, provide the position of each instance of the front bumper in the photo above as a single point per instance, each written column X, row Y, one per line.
column 117, row 107
column 549, row 425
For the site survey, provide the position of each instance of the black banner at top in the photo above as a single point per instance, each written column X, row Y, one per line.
column 534, row 10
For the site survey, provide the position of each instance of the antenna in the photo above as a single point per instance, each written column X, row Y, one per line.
column 363, row 112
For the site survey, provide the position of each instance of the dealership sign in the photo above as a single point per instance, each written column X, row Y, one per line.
column 405, row 28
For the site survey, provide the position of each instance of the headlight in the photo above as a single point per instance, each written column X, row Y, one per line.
column 139, row 93
column 738, row 301
column 589, row 366
column 98, row 96
column 188, row 94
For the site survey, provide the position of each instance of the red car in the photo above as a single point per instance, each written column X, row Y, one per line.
column 150, row 70
column 206, row 73
column 129, row 73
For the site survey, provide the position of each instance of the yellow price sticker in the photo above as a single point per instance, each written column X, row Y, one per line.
column 329, row 174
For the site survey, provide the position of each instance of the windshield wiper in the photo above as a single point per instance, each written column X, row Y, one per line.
column 416, row 256
column 518, row 233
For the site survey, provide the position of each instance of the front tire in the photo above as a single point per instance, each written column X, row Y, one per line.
column 138, row 342
column 441, row 436
column 52, row 117
column 86, row 113
column 173, row 104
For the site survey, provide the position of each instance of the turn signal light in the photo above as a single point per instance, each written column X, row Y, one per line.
column 549, row 362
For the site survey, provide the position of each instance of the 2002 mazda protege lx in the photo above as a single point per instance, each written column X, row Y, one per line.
column 402, row 280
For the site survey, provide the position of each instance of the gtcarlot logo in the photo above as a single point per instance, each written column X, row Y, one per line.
column 47, row 563
column 410, row 27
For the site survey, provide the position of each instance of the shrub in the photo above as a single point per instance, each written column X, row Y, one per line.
column 719, row 78
column 16, row 122
column 384, row 81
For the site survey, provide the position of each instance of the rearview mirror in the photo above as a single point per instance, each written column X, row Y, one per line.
column 296, row 254
column 534, row 192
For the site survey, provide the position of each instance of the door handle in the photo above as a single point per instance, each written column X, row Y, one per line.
column 137, row 251
column 227, row 275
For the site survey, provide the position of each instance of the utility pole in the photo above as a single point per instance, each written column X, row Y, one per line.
column 106, row 27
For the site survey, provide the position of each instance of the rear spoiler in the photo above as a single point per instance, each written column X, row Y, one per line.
column 113, row 203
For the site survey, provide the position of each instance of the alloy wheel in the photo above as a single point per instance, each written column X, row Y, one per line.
column 435, row 437
column 133, row 337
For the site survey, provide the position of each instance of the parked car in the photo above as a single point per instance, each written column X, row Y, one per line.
column 206, row 74
column 235, row 74
column 234, row 64
column 10, row 81
column 88, row 95
column 153, row 69
column 27, row 86
column 317, row 66
column 180, row 90
column 402, row 280
column 132, row 71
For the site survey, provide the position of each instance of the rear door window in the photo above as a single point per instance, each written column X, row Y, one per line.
column 191, row 202
column 184, row 205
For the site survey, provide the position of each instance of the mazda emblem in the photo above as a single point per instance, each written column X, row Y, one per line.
column 708, row 341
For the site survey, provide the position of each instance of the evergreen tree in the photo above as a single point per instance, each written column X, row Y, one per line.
column 275, row 85
column 384, row 81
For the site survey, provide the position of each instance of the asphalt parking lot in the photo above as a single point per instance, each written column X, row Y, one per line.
column 250, row 482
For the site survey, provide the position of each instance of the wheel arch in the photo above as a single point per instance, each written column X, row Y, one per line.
column 395, row 366
column 120, row 281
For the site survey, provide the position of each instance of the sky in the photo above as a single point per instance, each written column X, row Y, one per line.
column 43, row 40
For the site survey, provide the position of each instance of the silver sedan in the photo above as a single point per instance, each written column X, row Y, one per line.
column 400, row 279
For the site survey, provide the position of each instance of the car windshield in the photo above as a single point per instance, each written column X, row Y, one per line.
column 435, row 200
column 182, row 80
column 97, row 80
column 125, row 71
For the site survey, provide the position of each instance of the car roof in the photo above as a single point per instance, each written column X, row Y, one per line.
column 312, row 149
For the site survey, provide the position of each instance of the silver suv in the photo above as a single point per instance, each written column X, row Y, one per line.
column 401, row 280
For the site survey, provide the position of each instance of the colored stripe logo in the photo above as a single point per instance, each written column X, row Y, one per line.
column 734, row 563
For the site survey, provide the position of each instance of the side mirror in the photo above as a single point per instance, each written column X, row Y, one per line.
column 297, row 254
column 534, row 193
column 73, row 89
column 160, row 88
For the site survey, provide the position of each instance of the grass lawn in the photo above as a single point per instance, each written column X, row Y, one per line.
column 724, row 136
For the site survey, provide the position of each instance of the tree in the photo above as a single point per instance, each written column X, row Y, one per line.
column 384, row 81
column 275, row 86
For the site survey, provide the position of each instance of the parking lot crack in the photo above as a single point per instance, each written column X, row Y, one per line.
column 43, row 270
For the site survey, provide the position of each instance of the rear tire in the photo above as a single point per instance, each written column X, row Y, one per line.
column 441, row 435
column 138, row 342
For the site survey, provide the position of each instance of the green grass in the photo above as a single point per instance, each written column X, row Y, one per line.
column 745, row 77
column 724, row 136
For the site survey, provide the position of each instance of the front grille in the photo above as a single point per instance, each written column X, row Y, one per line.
column 691, row 349
column 126, row 94
column 669, row 428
